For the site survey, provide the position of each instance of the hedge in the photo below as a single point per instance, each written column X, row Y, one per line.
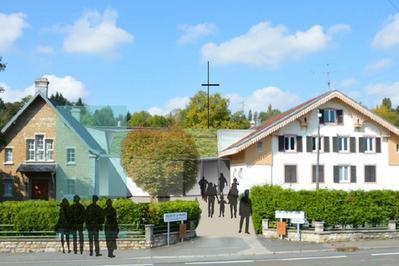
column 334, row 207
column 43, row 215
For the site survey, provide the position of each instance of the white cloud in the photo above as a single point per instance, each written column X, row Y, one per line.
column 47, row 50
column 11, row 27
column 338, row 28
column 96, row 33
column 388, row 36
column 378, row 66
column 381, row 90
column 70, row 88
column 170, row 105
column 193, row 32
column 259, row 100
column 270, row 46
column 347, row 83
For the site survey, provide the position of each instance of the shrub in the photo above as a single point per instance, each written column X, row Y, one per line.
column 334, row 207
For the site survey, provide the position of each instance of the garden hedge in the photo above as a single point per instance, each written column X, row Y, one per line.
column 43, row 215
column 334, row 207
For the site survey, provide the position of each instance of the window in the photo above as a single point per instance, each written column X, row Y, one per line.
column 259, row 147
column 344, row 174
column 290, row 173
column 316, row 143
column 321, row 173
column 70, row 186
column 289, row 143
column 368, row 144
column 397, row 147
column 30, row 150
column 370, row 173
column 8, row 155
column 8, row 187
column 329, row 116
column 71, row 156
column 39, row 139
column 49, row 149
column 343, row 144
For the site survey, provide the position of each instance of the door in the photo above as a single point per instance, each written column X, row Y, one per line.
column 40, row 189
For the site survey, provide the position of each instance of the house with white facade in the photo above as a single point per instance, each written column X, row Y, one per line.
column 357, row 149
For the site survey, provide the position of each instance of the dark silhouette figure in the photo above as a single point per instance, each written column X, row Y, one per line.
column 245, row 211
column 111, row 228
column 222, row 182
column 222, row 203
column 211, row 193
column 202, row 183
column 77, row 218
column 63, row 224
column 232, row 197
column 94, row 223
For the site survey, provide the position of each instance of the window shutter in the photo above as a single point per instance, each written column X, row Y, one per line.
column 373, row 174
column 335, row 144
column 313, row 173
column 293, row 176
column 378, row 144
column 321, row 118
column 308, row 144
column 336, row 174
column 340, row 117
column 326, row 144
column 321, row 173
column 353, row 173
column 361, row 144
column 299, row 143
column 280, row 143
column 352, row 144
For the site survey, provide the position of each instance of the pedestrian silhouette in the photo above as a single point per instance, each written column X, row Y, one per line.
column 245, row 211
column 211, row 193
column 94, row 223
column 202, row 183
column 232, row 197
column 63, row 224
column 111, row 228
column 77, row 212
column 222, row 182
column 222, row 203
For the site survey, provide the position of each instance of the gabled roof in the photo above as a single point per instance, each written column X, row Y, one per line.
column 275, row 123
column 71, row 122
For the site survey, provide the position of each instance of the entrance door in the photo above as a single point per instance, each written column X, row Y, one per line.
column 40, row 189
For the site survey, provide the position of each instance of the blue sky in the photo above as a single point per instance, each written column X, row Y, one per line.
column 151, row 55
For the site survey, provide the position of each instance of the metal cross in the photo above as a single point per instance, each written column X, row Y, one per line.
column 209, row 85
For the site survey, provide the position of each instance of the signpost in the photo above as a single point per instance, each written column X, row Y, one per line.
column 174, row 217
column 296, row 217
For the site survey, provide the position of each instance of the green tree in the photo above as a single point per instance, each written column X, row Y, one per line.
column 2, row 64
column 139, row 119
column 237, row 121
column 250, row 115
column 196, row 113
column 59, row 100
column 388, row 103
column 383, row 111
column 161, row 162
column 104, row 117
column 270, row 112
column 158, row 121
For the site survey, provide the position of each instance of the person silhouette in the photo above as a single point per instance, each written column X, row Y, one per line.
column 211, row 195
column 202, row 183
column 77, row 212
column 222, row 182
column 245, row 211
column 94, row 222
column 111, row 228
column 232, row 197
column 222, row 203
column 63, row 224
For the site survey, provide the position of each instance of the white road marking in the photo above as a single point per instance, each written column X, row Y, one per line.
column 385, row 254
column 219, row 262
column 315, row 258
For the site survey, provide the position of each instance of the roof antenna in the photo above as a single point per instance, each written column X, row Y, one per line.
column 328, row 77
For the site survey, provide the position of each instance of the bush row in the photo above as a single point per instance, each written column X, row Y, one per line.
column 334, row 207
column 43, row 215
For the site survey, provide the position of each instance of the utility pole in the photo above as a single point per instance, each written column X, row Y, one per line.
column 208, row 84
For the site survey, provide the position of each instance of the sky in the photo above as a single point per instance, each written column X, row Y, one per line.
column 152, row 55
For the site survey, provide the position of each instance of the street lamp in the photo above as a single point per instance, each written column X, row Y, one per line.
column 319, row 115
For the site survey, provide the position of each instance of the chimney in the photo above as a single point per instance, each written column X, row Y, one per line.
column 75, row 112
column 41, row 86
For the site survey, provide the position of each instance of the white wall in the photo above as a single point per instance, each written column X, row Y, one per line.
column 248, row 176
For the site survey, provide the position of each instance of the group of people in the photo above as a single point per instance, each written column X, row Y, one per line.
column 72, row 218
column 209, row 194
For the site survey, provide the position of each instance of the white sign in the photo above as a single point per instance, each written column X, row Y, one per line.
column 290, row 215
column 297, row 220
column 174, row 217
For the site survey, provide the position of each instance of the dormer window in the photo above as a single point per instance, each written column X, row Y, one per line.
column 331, row 116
